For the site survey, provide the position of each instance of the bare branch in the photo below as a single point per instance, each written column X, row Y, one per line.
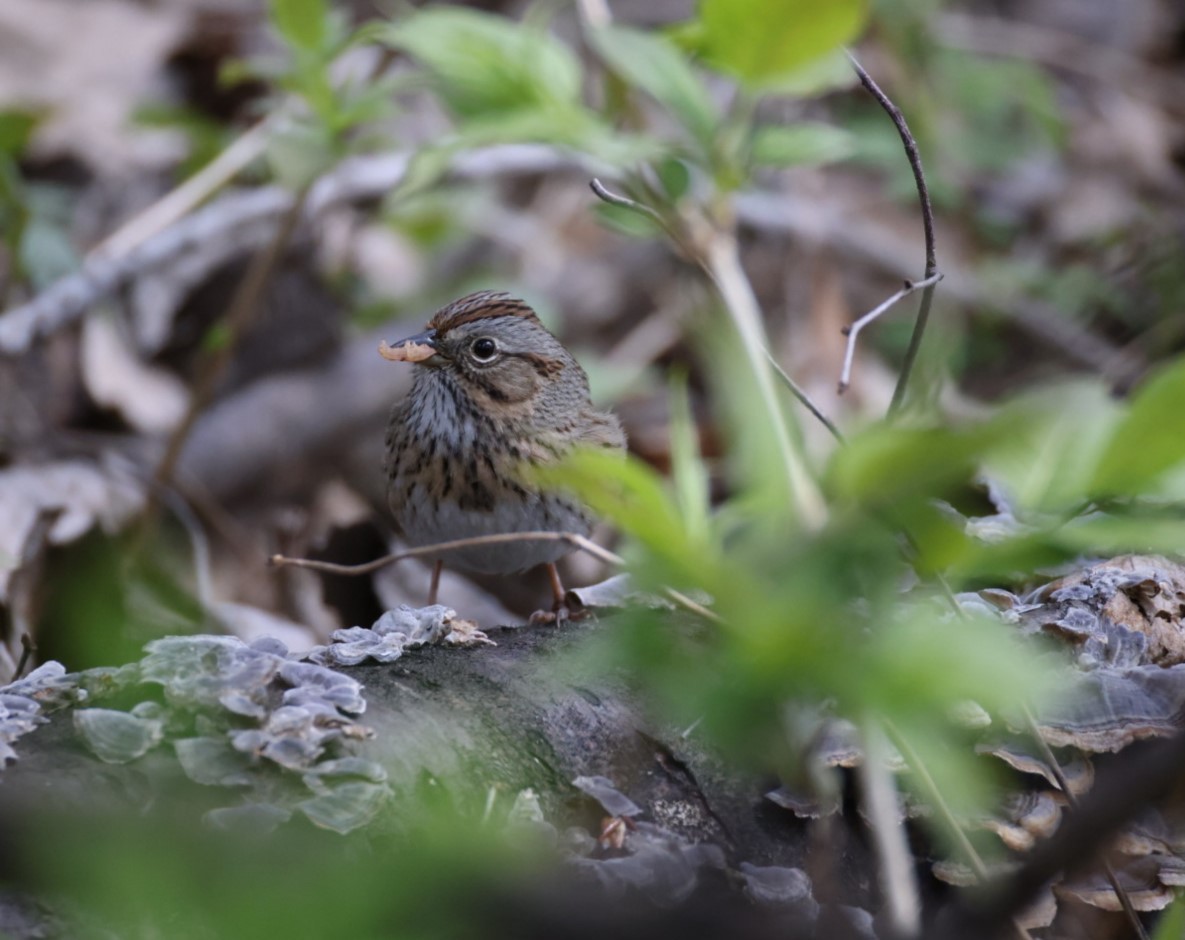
column 919, row 177
column 243, row 219
column 853, row 331
column 572, row 538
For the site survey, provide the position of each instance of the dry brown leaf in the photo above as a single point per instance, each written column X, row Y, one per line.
column 82, row 493
column 149, row 399
column 90, row 64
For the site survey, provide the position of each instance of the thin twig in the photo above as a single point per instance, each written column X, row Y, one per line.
column 28, row 648
column 798, row 392
column 919, row 177
column 898, row 879
column 1072, row 801
column 571, row 538
column 853, row 331
column 819, row 222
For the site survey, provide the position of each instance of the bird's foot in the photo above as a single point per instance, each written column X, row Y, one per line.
column 557, row 616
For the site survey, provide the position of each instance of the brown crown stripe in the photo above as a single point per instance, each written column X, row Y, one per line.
column 479, row 306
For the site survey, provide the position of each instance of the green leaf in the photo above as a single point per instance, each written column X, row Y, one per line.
column 300, row 152
column 832, row 72
column 674, row 176
column 304, row 24
column 885, row 464
column 1115, row 535
column 46, row 252
column 16, row 128
column 655, row 65
column 1172, row 922
column 486, row 65
column 572, row 127
column 1149, row 441
column 759, row 41
column 687, row 465
column 636, row 499
column 1050, row 441
column 627, row 222
column 807, row 142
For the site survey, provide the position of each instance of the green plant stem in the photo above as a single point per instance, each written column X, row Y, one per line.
column 898, row 880
column 720, row 260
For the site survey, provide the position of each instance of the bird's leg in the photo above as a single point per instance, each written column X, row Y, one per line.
column 559, row 613
column 435, row 585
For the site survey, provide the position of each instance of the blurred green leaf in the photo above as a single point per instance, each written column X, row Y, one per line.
column 216, row 337
column 1148, row 441
column 688, row 472
column 574, row 128
column 1049, row 445
column 205, row 137
column 46, row 251
column 304, row 24
column 637, row 500
column 1172, row 922
column 674, row 176
column 627, row 222
column 16, row 129
column 831, row 72
column 299, row 152
column 487, row 65
column 960, row 657
column 760, row 41
column 1100, row 534
column 807, row 142
column 654, row 64
column 885, row 464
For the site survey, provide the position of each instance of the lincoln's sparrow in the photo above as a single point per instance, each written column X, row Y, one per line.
column 494, row 391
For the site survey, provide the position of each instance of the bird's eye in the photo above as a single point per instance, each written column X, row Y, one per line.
column 484, row 349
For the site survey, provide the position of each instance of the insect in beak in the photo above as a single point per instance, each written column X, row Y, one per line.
column 418, row 348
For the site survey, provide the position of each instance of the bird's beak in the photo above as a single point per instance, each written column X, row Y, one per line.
column 418, row 348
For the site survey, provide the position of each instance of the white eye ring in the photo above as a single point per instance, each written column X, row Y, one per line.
column 483, row 349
